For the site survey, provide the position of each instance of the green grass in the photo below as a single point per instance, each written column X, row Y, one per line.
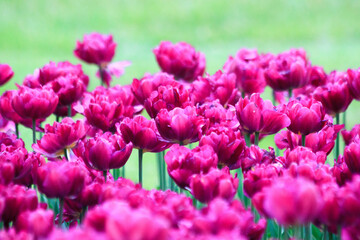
column 34, row 32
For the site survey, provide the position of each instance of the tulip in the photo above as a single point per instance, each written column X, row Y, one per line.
column 249, row 74
column 6, row 73
column 341, row 172
column 292, row 201
column 180, row 60
column 258, row 116
column 353, row 81
column 105, row 152
column 143, row 134
column 182, row 163
column 227, row 144
column 306, row 116
column 34, row 104
column 60, row 137
column 254, row 155
column 350, row 201
column 167, row 97
column 96, row 48
column 335, row 95
column 52, row 71
column 39, row 222
column 17, row 199
column 143, row 88
column 8, row 112
column 318, row 77
column 352, row 156
column 287, row 71
column 223, row 87
column 349, row 136
column 215, row 183
column 179, row 125
column 60, row 179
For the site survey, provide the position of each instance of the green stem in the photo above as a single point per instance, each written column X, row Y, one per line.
column 297, row 232
column 34, row 130
column 163, row 169
column 344, row 118
column 57, row 118
column 82, row 214
column 256, row 139
column 69, row 110
column 66, row 154
column 290, row 93
column 247, row 140
column 101, row 76
column 123, row 171
column 303, row 137
column 140, row 165
column 17, row 130
column 339, row 232
column 285, row 235
column 61, row 208
column 326, row 233
column 307, row 231
column 159, row 170
column 105, row 174
column 337, row 142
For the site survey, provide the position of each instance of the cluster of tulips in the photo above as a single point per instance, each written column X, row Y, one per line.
column 214, row 181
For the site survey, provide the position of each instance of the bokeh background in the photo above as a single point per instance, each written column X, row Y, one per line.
column 34, row 32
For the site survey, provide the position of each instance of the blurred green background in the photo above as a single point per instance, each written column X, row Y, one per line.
column 34, row 32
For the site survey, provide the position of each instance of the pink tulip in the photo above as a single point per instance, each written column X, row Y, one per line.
column 182, row 163
column 6, row 73
column 180, row 60
column 39, row 222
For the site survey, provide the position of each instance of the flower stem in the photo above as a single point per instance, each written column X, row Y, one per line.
column 57, row 118
column 159, row 170
column 303, row 137
column 297, row 232
column 290, row 93
column 17, row 130
column 61, row 208
column 285, row 235
column 34, row 130
column 66, row 154
column 256, row 138
column 69, row 110
column 140, row 165
column 307, row 231
column 101, row 76
column 337, row 142
column 247, row 140
column 82, row 214
column 105, row 174
column 344, row 118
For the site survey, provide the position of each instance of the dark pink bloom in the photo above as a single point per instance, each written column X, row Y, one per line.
column 60, row 179
column 352, row 156
column 318, row 77
column 60, row 136
column 105, row 151
column 253, row 156
column 143, row 88
column 287, row 139
column 34, row 103
column 180, row 125
column 350, row 199
column 335, row 95
column 259, row 177
column 354, row 82
column 341, row 172
column 68, row 88
column 6, row 73
column 90, row 196
column 9, row 139
column 258, row 115
column 142, row 133
column 167, row 97
column 52, row 71
column 292, row 201
column 8, row 112
column 217, row 115
column 330, row 214
column 348, row 136
column 288, row 70
column 303, row 154
column 116, row 69
column 6, row 125
column 227, row 144
column 200, row 90
column 249, row 74
column 63, row 111
column 215, row 183
column 180, row 60
column 39, row 222
column 306, row 116
column 102, row 109
column 221, row 217
column 96, row 48
column 182, row 163
column 223, row 87
column 17, row 199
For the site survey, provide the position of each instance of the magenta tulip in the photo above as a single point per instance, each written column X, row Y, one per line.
column 39, row 222
column 180, row 60
column 6, row 73
column 257, row 115
column 352, row 156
